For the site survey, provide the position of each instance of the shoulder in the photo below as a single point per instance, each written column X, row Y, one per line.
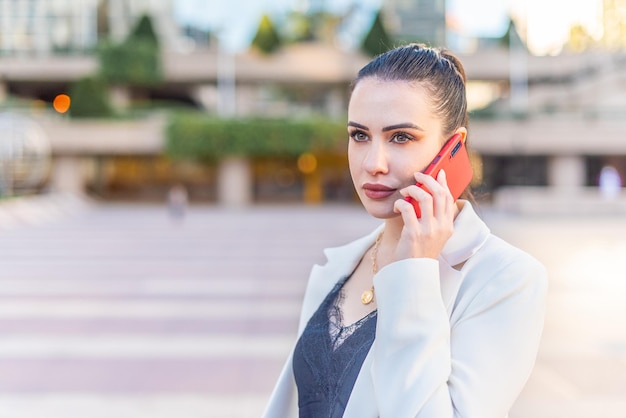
column 501, row 272
column 508, row 261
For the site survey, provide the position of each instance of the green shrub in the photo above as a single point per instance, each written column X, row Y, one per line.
column 134, row 62
column 90, row 98
column 266, row 39
column 144, row 31
column 377, row 39
column 199, row 136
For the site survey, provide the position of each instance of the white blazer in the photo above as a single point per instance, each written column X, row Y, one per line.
column 449, row 342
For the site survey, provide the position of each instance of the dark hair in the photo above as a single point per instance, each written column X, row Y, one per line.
column 438, row 70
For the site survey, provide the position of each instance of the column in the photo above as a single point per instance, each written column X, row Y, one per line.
column 6, row 26
column 120, row 97
column 335, row 105
column 567, row 173
column 68, row 175
column 226, row 81
column 206, row 95
column 235, row 182
column 40, row 27
column 4, row 91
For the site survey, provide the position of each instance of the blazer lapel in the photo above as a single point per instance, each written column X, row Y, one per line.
column 341, row 262
column 469, row 236
column 360, row 402
column 449, row 283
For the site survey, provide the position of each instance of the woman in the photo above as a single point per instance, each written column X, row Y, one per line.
column 424, row 317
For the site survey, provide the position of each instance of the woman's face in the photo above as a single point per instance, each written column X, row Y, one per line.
column 393, row 134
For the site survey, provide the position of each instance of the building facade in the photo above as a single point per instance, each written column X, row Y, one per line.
column 571, row 126
column 43, row 27
column 416, row 20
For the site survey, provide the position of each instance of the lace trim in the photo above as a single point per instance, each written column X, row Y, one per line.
column 338, row 332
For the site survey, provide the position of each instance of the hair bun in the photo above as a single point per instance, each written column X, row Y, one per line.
column 455, row 62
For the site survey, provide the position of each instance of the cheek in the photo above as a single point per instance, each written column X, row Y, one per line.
column 406, row 173
column 353, row 164
column 423, row 155
column 355, row 154
column 409, row 163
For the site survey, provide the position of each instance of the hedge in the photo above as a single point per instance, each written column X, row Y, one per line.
column 133, row 62
column 90, row 98
column 199, row 136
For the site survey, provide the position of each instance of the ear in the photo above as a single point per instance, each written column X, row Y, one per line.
column 463, row 132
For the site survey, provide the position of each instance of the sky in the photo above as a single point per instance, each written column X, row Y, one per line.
column 547, row 29
column 549, row 21
column 237, row 20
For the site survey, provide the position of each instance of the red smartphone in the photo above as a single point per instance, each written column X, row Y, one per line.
column 454, row 160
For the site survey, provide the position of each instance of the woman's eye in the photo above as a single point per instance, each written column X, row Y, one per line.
column 359, row 136
column 401, row 138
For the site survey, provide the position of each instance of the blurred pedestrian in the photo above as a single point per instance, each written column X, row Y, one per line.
column 177, row 199
column 610, row 183
column 423, row 317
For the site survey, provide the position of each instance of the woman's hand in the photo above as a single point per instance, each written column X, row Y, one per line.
column 426, row 237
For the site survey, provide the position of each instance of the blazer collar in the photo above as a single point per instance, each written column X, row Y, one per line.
column 341, row 261
column 470, row 233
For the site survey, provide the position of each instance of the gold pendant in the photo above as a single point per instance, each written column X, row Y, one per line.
column 367, row 296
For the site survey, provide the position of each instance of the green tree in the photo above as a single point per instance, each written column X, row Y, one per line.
column 579, row 39
column 312, row 26
column 511, row 37
column 90, row 98
column 266, row 39
column 144, row 31
column 377, row 39
column 299, row 27
column 136, row 61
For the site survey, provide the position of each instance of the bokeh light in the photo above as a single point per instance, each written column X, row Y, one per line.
column 307, row 163
column 61, row 103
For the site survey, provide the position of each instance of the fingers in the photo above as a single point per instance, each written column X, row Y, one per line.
column 426, row 236
column 433, row 196
column 444, row 200
column 407, row 211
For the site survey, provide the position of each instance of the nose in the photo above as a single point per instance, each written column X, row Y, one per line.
column 375, row 161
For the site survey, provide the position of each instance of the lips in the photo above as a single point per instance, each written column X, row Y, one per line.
column 378, row 191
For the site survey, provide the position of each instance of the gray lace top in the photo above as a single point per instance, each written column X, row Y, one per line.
column 328, row 357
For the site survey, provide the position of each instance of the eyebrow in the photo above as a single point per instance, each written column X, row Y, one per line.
column 358, row 125
column 388, row 128
column 402, row 126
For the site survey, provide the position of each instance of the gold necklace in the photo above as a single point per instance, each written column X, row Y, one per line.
column 368, row 294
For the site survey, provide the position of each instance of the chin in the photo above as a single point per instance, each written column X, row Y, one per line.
column 380, row 210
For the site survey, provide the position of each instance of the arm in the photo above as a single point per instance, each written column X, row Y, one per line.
column 425, row 367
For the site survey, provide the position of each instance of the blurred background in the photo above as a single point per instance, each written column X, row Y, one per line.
column 124, row 99
column 169, row 171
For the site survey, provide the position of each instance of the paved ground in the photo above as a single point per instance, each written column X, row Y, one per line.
column 121, row 311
